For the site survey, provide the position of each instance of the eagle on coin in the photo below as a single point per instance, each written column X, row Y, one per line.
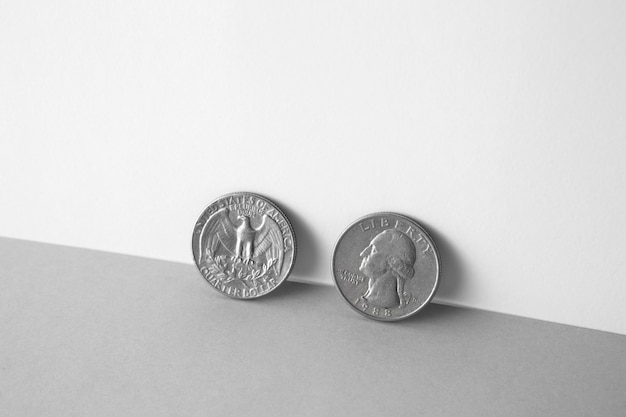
column 242, row 242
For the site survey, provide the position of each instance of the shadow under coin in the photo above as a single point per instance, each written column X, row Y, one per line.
column 452, row 268
column 307, row 246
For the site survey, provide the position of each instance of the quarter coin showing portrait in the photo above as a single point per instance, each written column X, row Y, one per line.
column 244, row 245
column 386, row 266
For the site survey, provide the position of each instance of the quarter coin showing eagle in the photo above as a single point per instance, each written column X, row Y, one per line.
column 244, row 245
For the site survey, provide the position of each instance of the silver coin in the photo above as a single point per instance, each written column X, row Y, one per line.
column 386, row 266
column 244, row 245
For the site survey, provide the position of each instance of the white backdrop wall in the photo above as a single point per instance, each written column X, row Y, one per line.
column 499, row 125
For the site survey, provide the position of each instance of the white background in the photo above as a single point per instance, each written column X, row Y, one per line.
column 498, row 125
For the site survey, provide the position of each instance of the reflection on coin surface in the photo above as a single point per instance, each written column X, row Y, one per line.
column 386, row 266
column 243, row 245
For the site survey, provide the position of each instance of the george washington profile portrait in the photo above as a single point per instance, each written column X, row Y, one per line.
column 388, row 262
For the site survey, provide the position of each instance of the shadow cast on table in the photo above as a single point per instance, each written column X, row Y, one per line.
column 453, row 269
column 307, row 245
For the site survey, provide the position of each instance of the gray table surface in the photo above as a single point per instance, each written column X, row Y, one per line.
column 88, row 333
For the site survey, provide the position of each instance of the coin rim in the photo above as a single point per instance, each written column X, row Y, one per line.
column 277, row 207
column 431, row 241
